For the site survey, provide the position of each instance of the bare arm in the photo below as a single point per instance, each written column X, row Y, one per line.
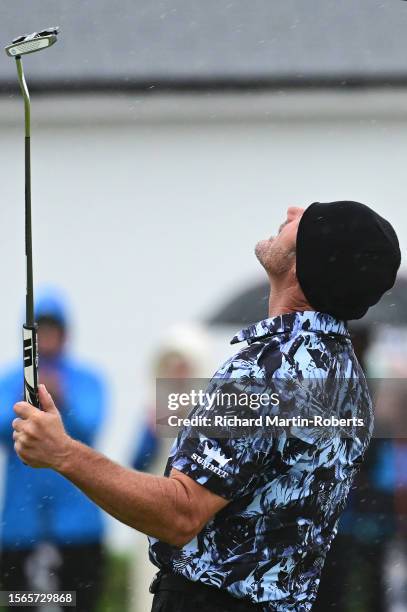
column 171, row 509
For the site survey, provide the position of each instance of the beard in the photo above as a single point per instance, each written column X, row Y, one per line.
column 261, row 251
column 275, row 259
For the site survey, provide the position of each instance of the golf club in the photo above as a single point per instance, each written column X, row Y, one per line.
column 29, row 43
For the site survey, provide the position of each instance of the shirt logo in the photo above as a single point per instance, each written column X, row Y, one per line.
column 212, row 456
column 215, row 455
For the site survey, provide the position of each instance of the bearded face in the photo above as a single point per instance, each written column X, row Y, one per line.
column 277, row 253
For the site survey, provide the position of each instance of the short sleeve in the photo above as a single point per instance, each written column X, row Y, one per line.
column 234, row 460
column 228, row 467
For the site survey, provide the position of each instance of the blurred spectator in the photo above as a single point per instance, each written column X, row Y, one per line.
column 182, row 356
column 51, row 534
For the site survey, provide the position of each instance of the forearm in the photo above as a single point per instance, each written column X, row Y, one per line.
column 157, row 506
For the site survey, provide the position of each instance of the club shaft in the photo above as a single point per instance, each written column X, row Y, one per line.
column 28, row 224
column 28, row 237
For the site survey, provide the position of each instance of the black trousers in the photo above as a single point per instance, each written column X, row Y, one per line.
column 174, row 601
column 81, row 569
column 176, row 594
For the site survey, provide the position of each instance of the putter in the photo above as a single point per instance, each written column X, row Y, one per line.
column 29, row 43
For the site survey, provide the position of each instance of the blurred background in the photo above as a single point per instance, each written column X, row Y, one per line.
column 167, row 139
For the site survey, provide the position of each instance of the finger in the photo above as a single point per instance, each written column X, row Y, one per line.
column 18, row 424
column 21, row 436
column 46, row 401
column 18, row 435
column 19, row 449
column 24, row 410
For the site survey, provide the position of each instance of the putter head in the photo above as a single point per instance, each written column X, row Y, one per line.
column 30, row 43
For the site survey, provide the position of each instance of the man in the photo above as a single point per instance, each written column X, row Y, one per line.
column 244, row 521
column 46, row 521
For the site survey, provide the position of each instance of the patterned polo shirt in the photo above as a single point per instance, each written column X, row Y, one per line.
column 286, row 482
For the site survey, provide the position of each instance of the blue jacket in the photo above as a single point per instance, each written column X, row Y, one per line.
column 40, row 504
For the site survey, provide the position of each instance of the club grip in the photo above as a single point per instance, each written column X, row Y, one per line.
column 30, row 353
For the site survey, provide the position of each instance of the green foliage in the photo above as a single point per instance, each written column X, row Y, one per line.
column 116, row 596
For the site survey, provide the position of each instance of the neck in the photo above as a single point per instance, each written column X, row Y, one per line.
column 285, row 299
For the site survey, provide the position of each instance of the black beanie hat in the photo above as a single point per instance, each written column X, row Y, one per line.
column 347, row 257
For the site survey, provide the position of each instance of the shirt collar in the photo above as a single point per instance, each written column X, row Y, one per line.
column 308, row 320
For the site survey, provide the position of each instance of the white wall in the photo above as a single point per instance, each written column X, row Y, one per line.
column 146, row 210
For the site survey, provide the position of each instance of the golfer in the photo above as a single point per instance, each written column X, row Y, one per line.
column 243, row 521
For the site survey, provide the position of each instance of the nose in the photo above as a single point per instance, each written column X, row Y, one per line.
column 294, row 212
